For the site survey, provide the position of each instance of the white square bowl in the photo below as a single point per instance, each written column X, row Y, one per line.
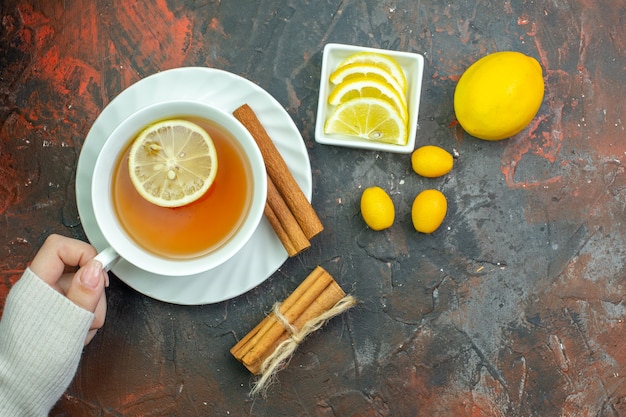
column 413, row 66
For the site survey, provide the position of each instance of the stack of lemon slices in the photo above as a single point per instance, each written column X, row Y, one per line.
column 369, row 99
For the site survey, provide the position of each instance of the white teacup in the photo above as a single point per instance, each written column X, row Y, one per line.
column 121, row 243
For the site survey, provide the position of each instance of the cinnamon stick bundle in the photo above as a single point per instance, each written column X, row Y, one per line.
column 316, row 295
column 286, row 200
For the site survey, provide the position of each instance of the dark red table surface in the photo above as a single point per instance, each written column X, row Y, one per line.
column 514, row 307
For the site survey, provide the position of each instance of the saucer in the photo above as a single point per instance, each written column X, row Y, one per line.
column 263, row 254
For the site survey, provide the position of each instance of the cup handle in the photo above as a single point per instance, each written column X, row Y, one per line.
column 108, row 258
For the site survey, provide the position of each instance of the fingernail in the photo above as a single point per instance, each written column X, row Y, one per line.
column 91, row 274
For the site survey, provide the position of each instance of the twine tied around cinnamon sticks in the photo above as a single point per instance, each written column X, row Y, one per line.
column 285, row 350
column 268, row 347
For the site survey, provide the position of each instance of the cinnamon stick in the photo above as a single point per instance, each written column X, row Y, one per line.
column 283, row 222
column 316, row 294
column 278, row 171
column 280, row 230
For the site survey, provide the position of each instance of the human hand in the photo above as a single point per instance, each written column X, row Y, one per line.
column 85, row 288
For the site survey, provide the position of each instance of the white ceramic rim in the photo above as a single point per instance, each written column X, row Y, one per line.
column 104, row 212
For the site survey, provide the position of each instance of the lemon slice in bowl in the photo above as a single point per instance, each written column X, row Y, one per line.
column 368, row 118
column 350, row 71
column 362, row 86
column 373, row 58
column 172, row 163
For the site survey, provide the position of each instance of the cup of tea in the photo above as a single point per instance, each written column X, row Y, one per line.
column 194, row 237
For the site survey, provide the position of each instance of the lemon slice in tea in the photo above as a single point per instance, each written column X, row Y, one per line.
column 172, row 163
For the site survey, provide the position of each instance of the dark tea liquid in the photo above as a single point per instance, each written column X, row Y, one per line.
column 199, row 227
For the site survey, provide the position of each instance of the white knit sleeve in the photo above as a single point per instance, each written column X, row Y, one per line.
column 41, row 340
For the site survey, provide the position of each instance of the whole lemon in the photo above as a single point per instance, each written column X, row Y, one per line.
column 498, row 95
column 377, row 208
column 431, row 161
column 428, row 211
